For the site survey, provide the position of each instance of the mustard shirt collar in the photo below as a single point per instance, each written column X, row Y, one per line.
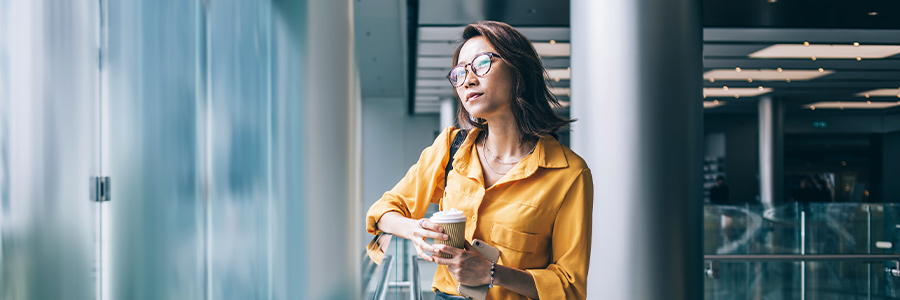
column 548, row 153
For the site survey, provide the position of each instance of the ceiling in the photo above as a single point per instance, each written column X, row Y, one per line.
column 733, row 29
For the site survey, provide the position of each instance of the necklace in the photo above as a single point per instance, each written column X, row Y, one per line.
column 484, row 146
column 484, row 143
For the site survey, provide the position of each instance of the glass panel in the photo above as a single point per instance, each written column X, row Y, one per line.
column 154, row 235
column 239, row 149
column 48, row 149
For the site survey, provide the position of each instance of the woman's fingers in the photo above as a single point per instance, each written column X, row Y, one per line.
column 427, row 224
column 421, row 248
column 429, row 230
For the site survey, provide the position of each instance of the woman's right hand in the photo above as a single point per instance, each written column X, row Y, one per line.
column 421, row 229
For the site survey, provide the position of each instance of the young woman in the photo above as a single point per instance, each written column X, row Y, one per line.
column 521, row 190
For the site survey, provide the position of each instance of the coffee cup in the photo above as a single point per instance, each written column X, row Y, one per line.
column 453, row 222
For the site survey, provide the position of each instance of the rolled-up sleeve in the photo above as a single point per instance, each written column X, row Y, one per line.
column 423, row 184
column 566, row 276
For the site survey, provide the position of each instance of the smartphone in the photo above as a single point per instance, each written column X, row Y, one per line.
column 479, row 292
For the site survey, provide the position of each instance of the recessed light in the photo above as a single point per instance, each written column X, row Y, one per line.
column 737, row 69
column 736, row 96
column 749, row 79
column 805, row 43
column 855, row 44
column 730, row 92
column 724, row 87
column 821, row 70
column 878, row 93
column 788, row 80
column 716, row 101
column 556, row 79
column 779, row 70
column 812, row 107
column 813, row 58
column 552, row 42
column 772, row 1
column 873, row 13
column 858, row 58
column 711, row 104
column 760, row 88
column 827, row 51
column 854, row 105
column 552, row 49
column 763, row 74
column 867, row 96
column 712, row 79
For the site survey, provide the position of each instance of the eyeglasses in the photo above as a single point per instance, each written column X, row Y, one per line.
column 481, row 65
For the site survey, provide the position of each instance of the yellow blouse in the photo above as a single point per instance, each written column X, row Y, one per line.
column 538, row 214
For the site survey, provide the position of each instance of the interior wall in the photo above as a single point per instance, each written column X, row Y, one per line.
column 742, row 154
column 891, row 167
column 392, row 141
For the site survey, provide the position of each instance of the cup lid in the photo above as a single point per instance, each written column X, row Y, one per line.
column 448, row 216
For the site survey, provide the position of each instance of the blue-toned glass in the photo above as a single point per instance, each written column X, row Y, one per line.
column 481, row 65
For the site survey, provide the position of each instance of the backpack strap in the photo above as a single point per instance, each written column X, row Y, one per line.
column 457, row 142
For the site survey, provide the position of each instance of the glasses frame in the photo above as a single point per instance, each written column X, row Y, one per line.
column 470, row 65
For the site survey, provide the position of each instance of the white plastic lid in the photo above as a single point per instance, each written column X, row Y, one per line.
column 448, row 216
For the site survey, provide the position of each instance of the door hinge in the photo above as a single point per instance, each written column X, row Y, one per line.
column 100, row 188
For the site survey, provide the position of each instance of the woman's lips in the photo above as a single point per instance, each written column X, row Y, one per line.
column 473, row 96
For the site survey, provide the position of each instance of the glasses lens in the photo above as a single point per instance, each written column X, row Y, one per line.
column 482, row 64
column 457, row 75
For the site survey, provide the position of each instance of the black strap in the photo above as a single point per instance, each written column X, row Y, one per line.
column 460, row 137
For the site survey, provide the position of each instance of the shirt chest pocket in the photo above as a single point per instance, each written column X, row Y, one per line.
column 513, row 239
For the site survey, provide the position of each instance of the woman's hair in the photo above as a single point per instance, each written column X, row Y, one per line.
column 532, row 98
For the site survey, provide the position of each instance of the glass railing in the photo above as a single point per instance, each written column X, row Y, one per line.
column 802, row 251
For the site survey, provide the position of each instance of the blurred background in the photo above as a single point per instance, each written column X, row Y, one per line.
column 228, row 149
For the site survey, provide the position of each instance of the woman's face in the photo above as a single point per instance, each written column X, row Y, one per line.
column 484, row 97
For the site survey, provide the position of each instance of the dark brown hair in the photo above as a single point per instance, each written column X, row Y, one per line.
column 532, row 98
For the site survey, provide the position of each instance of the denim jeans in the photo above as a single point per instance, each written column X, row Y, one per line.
column 438, row 295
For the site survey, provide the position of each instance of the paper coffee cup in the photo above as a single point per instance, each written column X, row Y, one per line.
column 453, row 222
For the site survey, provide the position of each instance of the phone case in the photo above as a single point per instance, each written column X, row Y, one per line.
column 479, row 292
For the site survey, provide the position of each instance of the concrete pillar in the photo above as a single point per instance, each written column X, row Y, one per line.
column 316, row 215
column 771, row 151
column 636, row 92
column 448, row 112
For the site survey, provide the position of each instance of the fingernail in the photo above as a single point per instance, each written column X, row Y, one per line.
column 446, row 237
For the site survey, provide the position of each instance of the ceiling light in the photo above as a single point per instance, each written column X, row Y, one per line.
column 561, row 74
column 867, row 96
column 868, row 102
column 821, row 70
column 805, row 43
column 878, row 93
column 737, row 69
column 873, row 13
column 560, row 91
column 724, row 87
column 813, row 58
column 853, row 105
column 730, row 92
column 760, row 88
column 764, row 74
column 812, row 107
column 556, row 79
column 779, row 70
column 552, row 49
column 552, row 42
column 712, row 79
column 749, row 79
column 788, row 80
column 711, row 104
column 858, row 58
column 772, row 1
column 826, row 51
column 855, row 44
column 736, row 96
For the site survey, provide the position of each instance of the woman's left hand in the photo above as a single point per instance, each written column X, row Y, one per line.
column 468, row 266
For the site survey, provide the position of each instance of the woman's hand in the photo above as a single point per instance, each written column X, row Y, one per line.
column 468, row 266
column 421, row 229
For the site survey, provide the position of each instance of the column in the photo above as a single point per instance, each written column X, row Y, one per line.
column 448, row 112
column 771, row 151
column 316, row 143
column 636, row 92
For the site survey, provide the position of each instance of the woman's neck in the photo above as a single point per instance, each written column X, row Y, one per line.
column 504, row 140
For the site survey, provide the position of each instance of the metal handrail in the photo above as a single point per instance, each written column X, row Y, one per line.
column 804, row 257
column 415, row 291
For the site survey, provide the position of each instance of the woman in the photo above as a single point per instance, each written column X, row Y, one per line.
column 521, row 190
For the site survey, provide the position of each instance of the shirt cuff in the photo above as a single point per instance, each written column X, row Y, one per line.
column 547, row 284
